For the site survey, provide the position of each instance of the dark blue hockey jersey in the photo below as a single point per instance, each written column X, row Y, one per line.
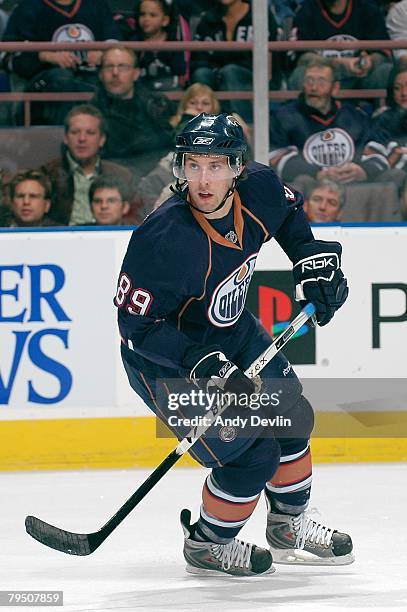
column 47, row 20
column 388, row 137
column 303, row 140
column 184, row 279
column 361, row 20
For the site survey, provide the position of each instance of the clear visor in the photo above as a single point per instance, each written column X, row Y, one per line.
column 193, row 167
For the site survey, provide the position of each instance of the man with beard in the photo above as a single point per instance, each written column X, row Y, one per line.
column 321, row 137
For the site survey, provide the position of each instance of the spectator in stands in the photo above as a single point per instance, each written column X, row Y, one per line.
column 158, row 20
column 325, row 202
column 80, row 163
column 198, row 98
column 30, row 201
column 343, row 20
column 108, row 200
column 396, row 22
column 229, row 20
column 319, row 136
column 139, row 132
column 57, row 71
column 388, row 134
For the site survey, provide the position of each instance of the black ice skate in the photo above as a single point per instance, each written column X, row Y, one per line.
column 301, row 540
column 236, row 558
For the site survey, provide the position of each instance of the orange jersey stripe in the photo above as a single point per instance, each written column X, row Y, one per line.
column 247, row 211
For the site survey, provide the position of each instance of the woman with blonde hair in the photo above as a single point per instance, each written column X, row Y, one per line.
column 198, row 98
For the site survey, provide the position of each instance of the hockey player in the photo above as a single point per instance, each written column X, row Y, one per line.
column 180, row 299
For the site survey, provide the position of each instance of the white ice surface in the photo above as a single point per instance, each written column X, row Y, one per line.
column 141, row 567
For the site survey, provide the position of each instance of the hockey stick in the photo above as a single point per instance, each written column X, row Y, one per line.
column 86, row 543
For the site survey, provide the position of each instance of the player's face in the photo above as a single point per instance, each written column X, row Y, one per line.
column 108, row 206
column 29, row 204
column 118, row 73
column 319, row 87
column 400, row 90
column 84, row 138
column 209, row 178
column 323, row 206
column 152, row 19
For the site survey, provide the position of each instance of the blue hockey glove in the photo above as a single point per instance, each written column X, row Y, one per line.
column 214, row 369
column 319, row 279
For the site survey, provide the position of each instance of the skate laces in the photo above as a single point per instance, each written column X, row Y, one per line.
column 235, row 553
column 307, row 529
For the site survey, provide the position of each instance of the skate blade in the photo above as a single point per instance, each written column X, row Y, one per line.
column 301, row 557
column 200, row 571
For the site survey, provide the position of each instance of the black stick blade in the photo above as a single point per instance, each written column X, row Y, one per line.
column 80, row 544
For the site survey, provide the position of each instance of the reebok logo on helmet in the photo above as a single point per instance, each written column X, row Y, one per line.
column 202, row 140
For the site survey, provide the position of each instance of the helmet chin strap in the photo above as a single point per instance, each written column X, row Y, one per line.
column 229, row 192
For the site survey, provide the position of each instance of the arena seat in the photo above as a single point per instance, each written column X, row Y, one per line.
column 372, row 202
column 28, row 147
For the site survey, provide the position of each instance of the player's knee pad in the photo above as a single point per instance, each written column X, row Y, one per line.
column 249, row 472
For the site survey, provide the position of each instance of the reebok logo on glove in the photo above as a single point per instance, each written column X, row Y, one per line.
column 224, row 369
column 325, row 261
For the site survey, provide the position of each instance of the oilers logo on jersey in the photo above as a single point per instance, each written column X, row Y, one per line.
column 342, row 52
column 332, row 147
column 74, row 32
column 229, row 297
